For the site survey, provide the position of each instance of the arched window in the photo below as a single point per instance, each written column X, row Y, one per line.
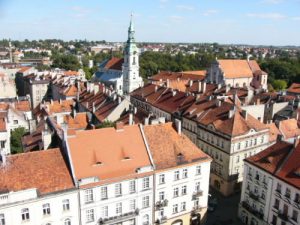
column 146, row 219
column 67, row 222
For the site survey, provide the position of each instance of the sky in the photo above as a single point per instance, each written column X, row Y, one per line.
column 258, row 22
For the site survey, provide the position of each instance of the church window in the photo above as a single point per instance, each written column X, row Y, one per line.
column 133, row 61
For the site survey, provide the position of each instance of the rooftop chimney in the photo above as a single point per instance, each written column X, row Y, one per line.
column 245, row 114
column 168, row 83
column 203, row 86
column 231, row 112
column 178, row 126
column 190, row 83
column 3, row 158
column 199, row 86
column 130, row 118
column 119, row 126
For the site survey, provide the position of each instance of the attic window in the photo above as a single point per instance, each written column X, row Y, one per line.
column 126, row 158
column 297, row 172
column 270, row 159
column 98, row 163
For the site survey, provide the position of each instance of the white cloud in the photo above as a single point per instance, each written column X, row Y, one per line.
column 272, row 16
column 175, row 18
column 297, row 18
column 185, row 7
column 210, row 12
column 163, row 1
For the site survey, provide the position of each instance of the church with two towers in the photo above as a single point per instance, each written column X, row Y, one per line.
column 122, row 73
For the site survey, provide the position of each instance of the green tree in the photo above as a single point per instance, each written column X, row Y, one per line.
column 279, row 85
column 63, row 61
column 106, row 124
column 15, row 140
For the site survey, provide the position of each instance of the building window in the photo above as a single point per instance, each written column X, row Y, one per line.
column 198, row 170
column 118, row 190
column 132, row 204
column 16, row 122
column 287, row 193
column 183, row 190
column 278, row 188
column 262, row 139
column 276, row 204
column 104, row 211
column 132, row 186
column 88, row 196
column 145, row 202
column 119, row 208
column 297, row 198
column 67, row 222
column 161, row 195
column 175, row 208
column 161, row 212
column 146, row 219
column 66, row 205
column 184, row 173
column 176, row 175
column 161, row 179
column 238, row 159
column 295, row 215
column 257, row 176
column 246, row 146
column 2, row 219
column 183, row 206
column 197, row 186
column 239, row 146
column 103, row 193
column 175, row 192
column 146, row 183
column 25, row 214
column 2, row 144
column 46, row 209
column 90, row 215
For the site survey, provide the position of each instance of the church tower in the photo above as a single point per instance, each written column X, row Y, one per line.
column 131, row 76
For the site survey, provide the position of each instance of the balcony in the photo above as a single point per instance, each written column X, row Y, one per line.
column 160, row 204
column 252, row 210
column 161, row 220
column 197, row 208
column 119, row 218
column 197, row 194
column 283, row 216
column 254, row 196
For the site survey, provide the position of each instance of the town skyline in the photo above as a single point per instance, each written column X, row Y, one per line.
column 268, row 22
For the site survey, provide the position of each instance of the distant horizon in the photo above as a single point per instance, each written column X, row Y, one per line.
column 258, row 22
column 157, row 42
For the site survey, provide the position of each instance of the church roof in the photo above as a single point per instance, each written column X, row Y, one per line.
column 113, row 64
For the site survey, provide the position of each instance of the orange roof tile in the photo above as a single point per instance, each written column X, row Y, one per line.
column 23, row 106
column 281, row 160
column 294, row 88
column 169, row 149
column 274, row 132
column 96, row 153
column 289, row 128
column 196, row 72
column 234, row 68
column 79, row 122
column 114, row 64
column 24, row 69
column 71, row 73
column 44, row 170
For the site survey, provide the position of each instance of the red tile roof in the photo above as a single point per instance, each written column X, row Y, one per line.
column 294, row 88
column 234, row 68
column 289, row 128
column 106, row 158
column 114, row 64
column 274, row 132
column 169, row 149
column 44, row 170
column 281, row 160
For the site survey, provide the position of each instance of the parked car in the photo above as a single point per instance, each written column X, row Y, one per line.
column 212, row 203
